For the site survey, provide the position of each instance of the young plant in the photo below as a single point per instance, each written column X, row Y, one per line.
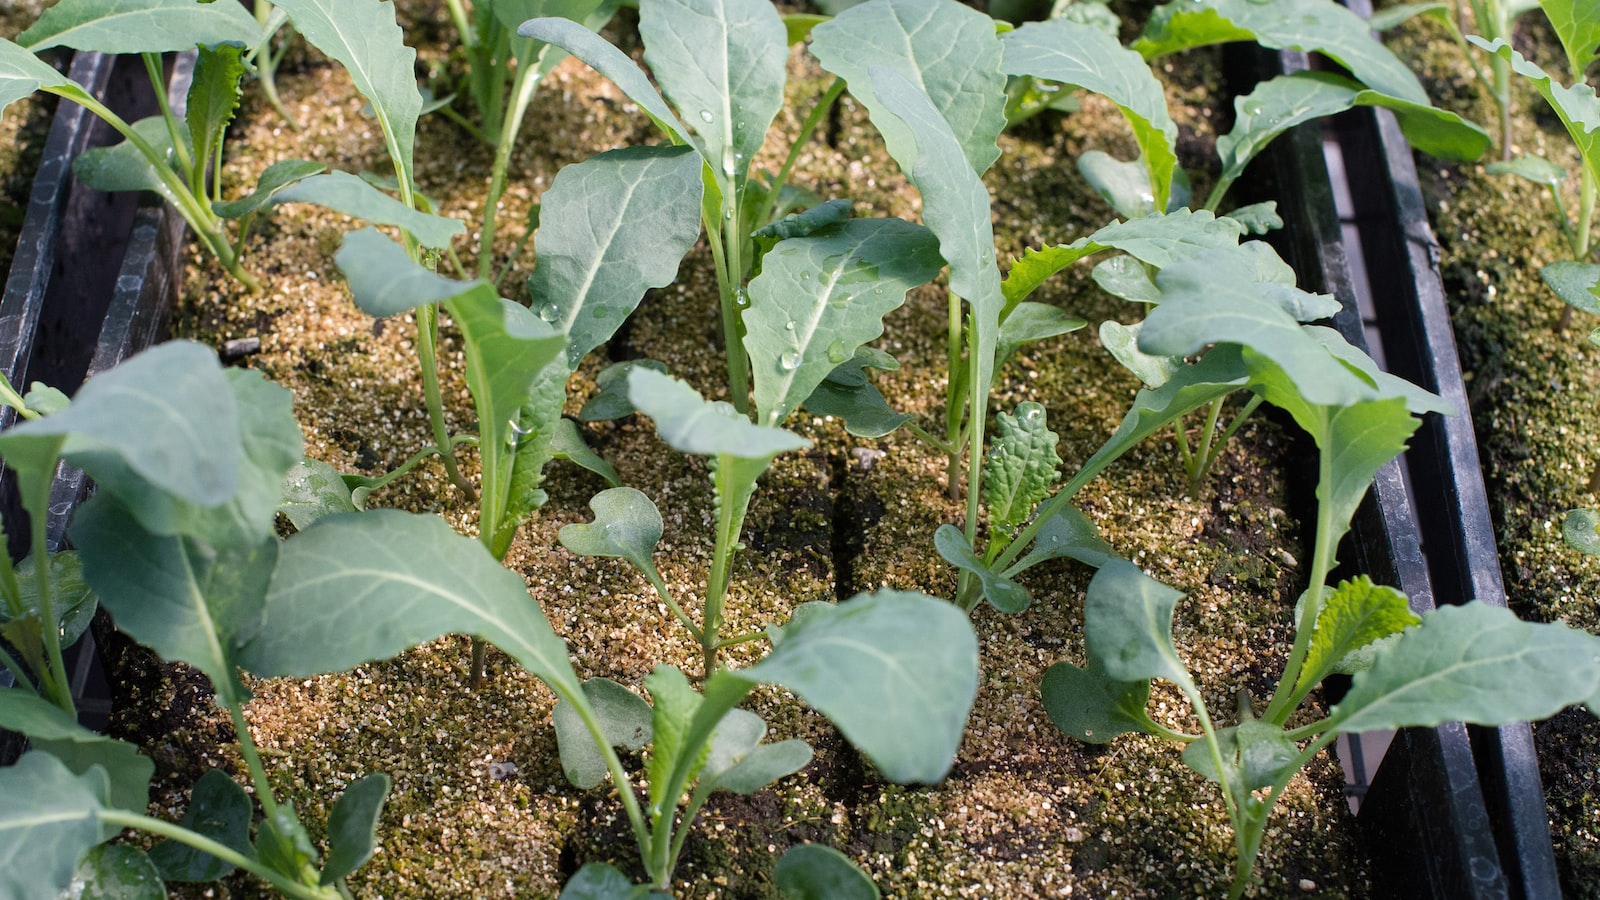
column 722, row 64
column 896, row 671
column 178, row 544
column 1460, row 664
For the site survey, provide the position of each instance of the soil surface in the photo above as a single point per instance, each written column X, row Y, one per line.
column 1532, row 379
column 480, row 807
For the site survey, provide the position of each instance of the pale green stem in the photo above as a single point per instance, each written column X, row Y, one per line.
column 732, row 315
column 124, row 819
column 252, row 759
column 730, row 520
column 180, row 148
column 427, row 355
column 1202, row 453
column 1249, row 842
column 37, row 502
column 1586, row 204
column 17, row 670
column 526, row 82
column 808, row 128
column 978, row 399
column 1286, row 698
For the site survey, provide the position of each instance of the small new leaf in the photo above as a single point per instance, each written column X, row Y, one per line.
column 625, row 720
column 1353, row 617
column 1093, row 707
column 1020, row 466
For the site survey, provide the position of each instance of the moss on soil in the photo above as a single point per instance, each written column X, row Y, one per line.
column 1026, row 812
column 1532, row 385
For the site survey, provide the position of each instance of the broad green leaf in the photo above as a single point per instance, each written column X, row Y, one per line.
column 566, row 442
column 620, row 223
column 689, row 424
column 349, row 194
column 1577, row 106
column 123, row 167
column 51, row 730
column 362, row 36
column 1127, row 624
column 283, row 844
column 213, row 97
column 1156, row 240
column 949, row 51
column 219, row 809
column 739, row 732
column 896, row 671
column 1001, row 592
column 140, row 26
column 22, row 73
column 722, row 63
column 166, row 417
column 848, row 394
column 1126, row 278
column 763, row 766
column 1581, row 529
column 185, row 599
column 1394, row 16
column 74, row 603
column 116, row 872
column 1086, row 57
column 821, row 297
column 1092, row 707
column 624, row 719
column 353, row 826
column 313, row 489
column 1123, row 185
column 365, row 586
column 1576, row 282
column 674, row 704
column 1357, row 614
column 277, row 176
column 385, row 281
column 817, row 872
column 1281, row 103
column 45, row 400
column 1308, row 25
column 602, row 881
column 610, row 399
column 1031, row 322
column 613, row 64
column 1198, row 310
column 49, row 820
column 1254, row 755
column 1577, row 25
column 626, row 526
column 1020, row 466
column 1418, row 400
column 271, row 440
column 1067, row 532
column 1121, row 341
column 1472, row 663
column 1532, row 167
column 955, row 206
column 1219, row 373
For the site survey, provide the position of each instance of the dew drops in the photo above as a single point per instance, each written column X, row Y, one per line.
column 790, row 361
column 707, row 117
column 741, row 298
column 805, row 276
column 836, row 352
column 789, row 325
column 549, row 313
column 1033, row 414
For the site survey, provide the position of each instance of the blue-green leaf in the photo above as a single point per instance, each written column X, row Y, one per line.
column 1577, row 106
column 1127, row 624
column 689, row 424
column 349, row 194
column 219, row 809
column 140, row 26
column 277, row 176
column 620, row 223
column 1001, row 592
column 117, row 872
column 896, row 671
column 949, row 51
column 1086, row 57
column 50, row 819
column 22, row 73
column 625, row 721
column 353, row 826
column 820, row 297
column 1091, row 706
column 816, row 872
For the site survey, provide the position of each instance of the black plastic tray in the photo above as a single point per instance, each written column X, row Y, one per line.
column 1453, row 811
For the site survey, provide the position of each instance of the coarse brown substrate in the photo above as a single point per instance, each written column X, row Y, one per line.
column 1025, row 812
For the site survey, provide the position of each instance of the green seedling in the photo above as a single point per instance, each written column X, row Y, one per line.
column 1434, row 672
column 721, row 63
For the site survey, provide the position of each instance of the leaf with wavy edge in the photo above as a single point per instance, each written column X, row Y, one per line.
column 1577, row 106
column 349, row 194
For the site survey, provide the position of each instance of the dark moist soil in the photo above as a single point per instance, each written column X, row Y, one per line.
column 480, row 807
column 1532, row 384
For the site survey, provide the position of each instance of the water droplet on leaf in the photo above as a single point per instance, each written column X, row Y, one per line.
column 836, row 352
column 707, row 117
column 790, row 361
column 549, row 313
